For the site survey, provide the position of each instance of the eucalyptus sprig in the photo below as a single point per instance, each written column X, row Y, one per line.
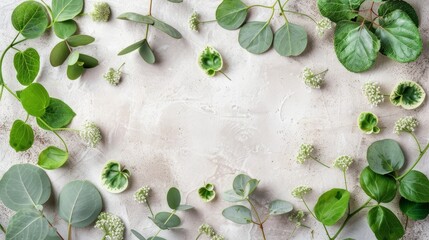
column 243, row 187
column 362, row 32
column 145, row 50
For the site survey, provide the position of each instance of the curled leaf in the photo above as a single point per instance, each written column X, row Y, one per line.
column 408, row 95
column 207, row 193
column 367, row 122
column 114, row 178
column 210, row 61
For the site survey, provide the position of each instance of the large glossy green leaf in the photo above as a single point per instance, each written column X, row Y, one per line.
column 278, row 207
column 390, row 6
column 173, row 198
column 24, row 186
column 27, row 224
column 400, row 37
column 135, row 17
column 57, row 115
column 27, row 65
column 35, row 99
column 52, row 158
column 385, row 224
column 79, row 203
column 290, row 40
column 164, row 27
column 21, row 136
column 356, row 47
column 30, row 19
column 385, row 156
column 79, row 40
column 338, row 10
column 65, row 29
column 64, row 10
column 59, row 54
column 166, row 220
column 331, row 206
column 415, row 187
column 381, row 188
column 415, row 211
column 132, row 47
column 256, row 37
column 238, row 214
column 146, row 52
column 231, row 14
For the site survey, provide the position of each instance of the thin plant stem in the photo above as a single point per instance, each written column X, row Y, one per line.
column 150, row 209
column 120, row 67
column 261, row 226
column 69, row 232
column 166, row 221
column 2, row 229
column 11, row 91
column 208, row 21
column 50, row 224
column 3, row 55
column 282, row 11
column 225, row 75
column 301, row 14
column 66, row 129
column 150, row 8
column 315, row 159
column 259, row 5
column 199, row 235
column 417, row 141
column 422, row 153
column 54, row 131
column 1, row 92
column 308, row 209
column 345, row 180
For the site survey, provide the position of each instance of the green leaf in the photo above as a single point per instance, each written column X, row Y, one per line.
column 73, row 58
column 368, row 122
column 156, row 238
column 146, row 52
column 132, row 47
column 408, row 94
column 27, row 65
column 232, row 196
column 400, row 37
column 238, row 214
column 79, row 40
column 30, row 19
column 279, row 207
column 385, row 224
column 24, row 186
column 52, row 234
column 75, row 71
column 290, row 40
column 210, row 61
column 390, row 6
column 381, row 188
column 137, row 234
column 27, row 224
column 173, row 198
column 35, row 99
column 239, row 184
column 331, row 206
column 175, row 1
column 207, row 192
column 164, row 27
column 79, row 203
column 52, row 158
column 338, row 10
column 256, row 37
column 114, row 178
column 64, row 10
column 231, row 14
column 356, row 47
column 88, row 61
column 135, row 17
column 65, row 29
column 250, row 187
column 184, row 207
column 415, row 187
column 415, row 211
column 21, row 136
column 385, row 156
column 59, row 54
column 161, row 220
column 57, row 115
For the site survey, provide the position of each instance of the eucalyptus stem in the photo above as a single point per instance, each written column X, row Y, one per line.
column 259, row 223
column 315, row 159
column 50, row 224
column 422, row 153
column 199, row 235
column 2, row 229
column 69, row 233
column 301, row 14
column 166, row 221
column 282, row 11
column 417, row 141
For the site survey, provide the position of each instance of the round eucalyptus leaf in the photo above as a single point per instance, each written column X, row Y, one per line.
column 79, row 203
column 368, row 122
column 384, row 223
column 114, row 178
column 79, row 40
column 279, row 207
column 30, row 19
column 231, row 14
column 27, row 65
column 166, row 220
column 59, row 54
column 21, row 136
column 75, row 71
column 135, row 17
column 207, row 192
column 164, row 27
column 400, row 37
column 356, row 47
column 173, row 198
column 210, row 61
column 57, row 115
column 381, row 188
column 52, row 234
column 338, row 10
column 232, row 196
column 408, row 94
column 27, row 224
column 238, row 214
column 390, row 6
column 146, row 52
column 65, row 29
column 132, row 47
column 385, row 156
column 415, row 211
column 331, row 206
column 256, row 37
column 184, row 207
column 88, row 61
column 239, row 184
column 250, row 187
column 63, row 10
column 24, row 186
column 52, row 158
column 35, row 99
column 415, row 187
column 137, row 234
column 290, row 40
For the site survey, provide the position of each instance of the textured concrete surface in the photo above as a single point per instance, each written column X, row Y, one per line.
column 171, row 125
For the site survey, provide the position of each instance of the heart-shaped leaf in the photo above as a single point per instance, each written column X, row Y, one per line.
column 146, row 52
column 290, row 40
column 27, row 65
column 27, row 224
column 52, row 158
column 210, row 61
column 65, row 29
column 207, row 192
column 59, row 54
column 338, row 10
column 173, row 198
column 114, row 178
column 278, row 207
column 408, row 94
column 238, row 214
column 231, row 14
column 381, row 188
column 384, row 223
column 21, row 136
column 415, row 211
column 256, row 37
column 63, row 10
column 368, row 122
column 57, row 115
column 331, row 206
column 35, row 99
column 385, row 156
column 30, row 19
column 415, row 187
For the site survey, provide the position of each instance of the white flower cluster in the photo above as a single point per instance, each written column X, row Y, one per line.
column 300, row 191
column 343, row 162
column 111, row 225
column 90, row 134
column 297, row 217
column 371, row 90
column 406, row 124
column 210, row 232
column 194, row 21
column 323, row 25
column 113, row 76
column 101, row 12
column 311, row 79
column 142, row 194
column 304, row 153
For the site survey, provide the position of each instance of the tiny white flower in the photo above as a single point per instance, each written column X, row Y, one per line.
column 101, row 12
column 313, row 80
column 300, row 191
column 90, row 134
column 142, row 194
column 304, row 153
column 207, row 230
column 111, row 225
column 371, row 90
column 194, row 21
column 343, row 162
column 113, row 76
column 406, row 124
column 323, row 25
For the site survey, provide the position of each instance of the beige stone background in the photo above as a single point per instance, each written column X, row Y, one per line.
column 171, row 125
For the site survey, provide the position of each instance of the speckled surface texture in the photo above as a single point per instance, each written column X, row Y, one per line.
column 171, row 125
